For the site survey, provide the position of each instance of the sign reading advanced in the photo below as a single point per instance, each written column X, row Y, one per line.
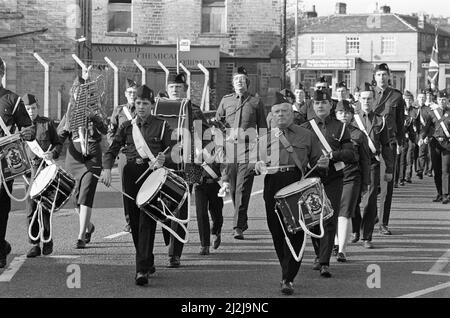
column 322, row 64
column 149, row 55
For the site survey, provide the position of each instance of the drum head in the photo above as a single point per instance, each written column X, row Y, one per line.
column 297, row 187
column 151, row 186
column 43, row 179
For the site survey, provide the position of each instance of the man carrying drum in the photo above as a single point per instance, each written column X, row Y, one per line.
column 12, row 113
column 48, row 140
column 156, row 134
column 307, row 151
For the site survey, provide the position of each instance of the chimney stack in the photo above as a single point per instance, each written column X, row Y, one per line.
column 385, row 9
column 312, row 13
column 341, row 8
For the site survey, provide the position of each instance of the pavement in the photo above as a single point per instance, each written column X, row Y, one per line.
column 413, row 262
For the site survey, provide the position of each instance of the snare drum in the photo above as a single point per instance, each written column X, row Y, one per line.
column 13, row 156
column 162, row 195
column 303, row 202
column 52, row 185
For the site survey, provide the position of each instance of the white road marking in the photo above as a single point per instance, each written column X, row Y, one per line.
column 426, row 291
column 63, row 256
column 253, row 193
column 113, row 236
column 431, row 273
column 441, row 263
column 12, row 269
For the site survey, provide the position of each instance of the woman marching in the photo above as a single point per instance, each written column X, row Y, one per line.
column 84, row 157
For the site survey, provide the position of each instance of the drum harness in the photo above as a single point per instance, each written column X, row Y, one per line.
column 290, row 149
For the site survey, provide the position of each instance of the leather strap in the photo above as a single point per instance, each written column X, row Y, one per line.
column 290, row 149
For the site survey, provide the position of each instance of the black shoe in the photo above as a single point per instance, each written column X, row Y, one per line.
column 287, row 288
column 238, row 234
column 217, row 240
column 4, row 254
column 408, row 181
column 341, row 257
column 34, row 252
column 355, row 237
column 80, row 244
column 88, row 234
column 204, row 250
column 316, row 265
column 335, row 250
column 384, row 230
column 367, row 244
column 445, row 199
column 324, row 272
column 402, row 183
column 141, row 279
column 152, row 270
column 438, row 198
column 47, row 248
column 420, row 175
column 396, row 185
column 174, row 262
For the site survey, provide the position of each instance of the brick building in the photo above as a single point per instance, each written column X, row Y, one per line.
column 345, row 47
column 49, row 28
column 223, row 33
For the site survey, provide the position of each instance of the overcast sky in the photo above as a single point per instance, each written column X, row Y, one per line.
column 434, row 7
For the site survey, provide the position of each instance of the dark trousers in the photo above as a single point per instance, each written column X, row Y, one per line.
column 206, row 199
column 272, row 184
column 387, row 189
column 441, row 164
column 324, row 246
column 5, row 207
column 121, row 164
column 175, row 246
column 143, row 227
column 407, row 160
column 366, row 212
column 241, row 183
column 436, row 160
column 423, row 161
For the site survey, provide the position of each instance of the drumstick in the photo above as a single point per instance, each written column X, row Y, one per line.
column 128, row 196
column 149, row 168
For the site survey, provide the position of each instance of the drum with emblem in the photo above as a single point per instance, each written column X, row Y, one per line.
column 303, row 205
column 13, row 157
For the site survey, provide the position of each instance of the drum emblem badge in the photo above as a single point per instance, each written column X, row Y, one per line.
column 313, row 202
column 13, row 159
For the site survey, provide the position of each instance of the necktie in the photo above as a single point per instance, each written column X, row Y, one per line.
column 284, row 154
column 237, row 119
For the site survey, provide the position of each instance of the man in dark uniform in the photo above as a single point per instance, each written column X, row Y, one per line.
column 156, row 133
column 406, row 158
column 388, row 102
column 46, row 137
column 245, row 115
column 307, row 110
column 337, row 138
column 439, row 118
column 13, row 113
column 283, row 173
column 375, row 126
column 423, row 164
column 117, row 118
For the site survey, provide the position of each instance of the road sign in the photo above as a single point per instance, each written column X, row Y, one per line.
column 185, row 45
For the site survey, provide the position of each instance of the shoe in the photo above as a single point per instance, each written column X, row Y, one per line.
column 217, row 240
column 430, row 174
column 47, row 248
column 384, row 230
column 367, row 244
column 377, row 220
column 204, row 250
column 152, row 270
column 127, row 228
column 341, row 257
column 324, row 272
column 87, row 237
column 34, row 252
column 408, row 181
column 402, row 183
column 335, row 250
column 141, row 279
column 238, row 234
column 355, row 237
column 316, row 265
column 174, row 262
column 446, row 199
column 6, row 251
column 80, row 244
column 420, row 175
column 438, row 198
column 287, row 288
column 395, row 185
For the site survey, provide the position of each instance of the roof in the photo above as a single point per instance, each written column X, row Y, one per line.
column 365, row 23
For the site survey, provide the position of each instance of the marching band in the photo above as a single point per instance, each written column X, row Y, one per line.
column 325, row 164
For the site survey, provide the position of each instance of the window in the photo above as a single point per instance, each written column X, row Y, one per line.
column 318, row 45
column 353, row 45
column 213, row 16
column 119, row 16
column 387, row 45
